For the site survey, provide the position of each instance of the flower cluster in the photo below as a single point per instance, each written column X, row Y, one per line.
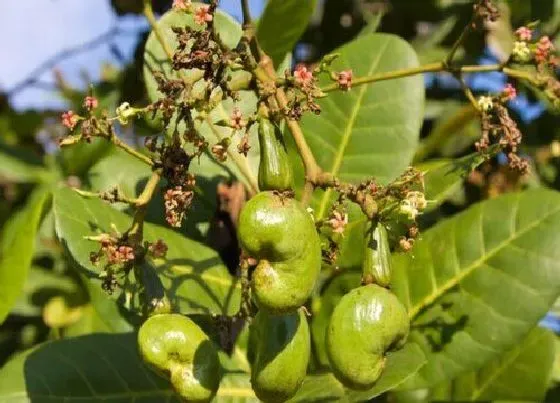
column 496, row 123
column 113, row 250
column 301, row 90
column 485, row 10
column 344, row 80
column 527, row 50
column 413, row 204
column 179, row 193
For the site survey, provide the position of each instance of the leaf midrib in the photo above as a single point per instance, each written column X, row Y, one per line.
column 348, row 131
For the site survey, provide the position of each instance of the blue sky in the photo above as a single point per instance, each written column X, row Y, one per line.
column 34, row 31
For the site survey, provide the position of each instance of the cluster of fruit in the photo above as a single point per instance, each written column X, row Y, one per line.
column 280, row 235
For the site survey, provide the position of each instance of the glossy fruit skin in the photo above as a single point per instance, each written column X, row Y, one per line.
column 275, row 170
column 282, row 348
column 377, row 255
column 367, row 323
column 176, row 348
column 281, row 235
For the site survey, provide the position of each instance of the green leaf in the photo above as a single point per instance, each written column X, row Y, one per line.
column 194, row 278
column 89, row 322
column 320, row 388
column 98, row 367
column 282, row 24
column 235, row 387
column 18, row 165
column 443, row 177
column 76, row 160
column 372, row 130
column 475, row 284
column 18, row 244
column 132, row 176
column 522, row 373
column 83, row 369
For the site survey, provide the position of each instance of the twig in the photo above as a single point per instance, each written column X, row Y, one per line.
column 246, row 13
column 312, row 169
column 149, row 14
column 135, row 233
column 122, row 145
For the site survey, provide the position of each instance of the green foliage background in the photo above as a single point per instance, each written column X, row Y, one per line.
column 484, row 273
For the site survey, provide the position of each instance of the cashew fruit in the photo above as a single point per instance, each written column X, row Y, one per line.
column 281, row 235
column 377, row 255
column 275, row 170
column 367, row 323
column 281, row 353
column 176, row 348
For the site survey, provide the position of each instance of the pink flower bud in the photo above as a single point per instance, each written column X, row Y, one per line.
column 90, row 103
column 203, row 15
column 302, row 75
column 70, row 119
column 345, row 80
column 509, row 92
column 524, row 33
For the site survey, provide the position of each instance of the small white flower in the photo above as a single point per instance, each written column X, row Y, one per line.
column 125, row 112
column 408, row 209
column 521, row 51
column 413, row 204
column 485, row 103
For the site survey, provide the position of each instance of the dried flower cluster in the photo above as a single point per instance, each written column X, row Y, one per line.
column 497, row 124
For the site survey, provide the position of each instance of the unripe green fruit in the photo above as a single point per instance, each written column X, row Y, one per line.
column 282, row 350
column 368, row 322
column 275, row 170
column 175, row 347
column 281, row 235
column 377, row 256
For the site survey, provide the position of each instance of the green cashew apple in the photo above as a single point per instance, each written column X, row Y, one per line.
column 275, row 170
column 282, row 347
column 281, row 235
column 176, row 348
column 376, row 265
column 367, row 323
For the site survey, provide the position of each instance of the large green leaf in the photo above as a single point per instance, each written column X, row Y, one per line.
column 522, row 373
column 133, row 175
column 98, row 367
column 193, row 275
column 76, row 160
column 476, row 284
column 84, row 369
column 18, row 244
column 372, row 130
column 282, row 24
